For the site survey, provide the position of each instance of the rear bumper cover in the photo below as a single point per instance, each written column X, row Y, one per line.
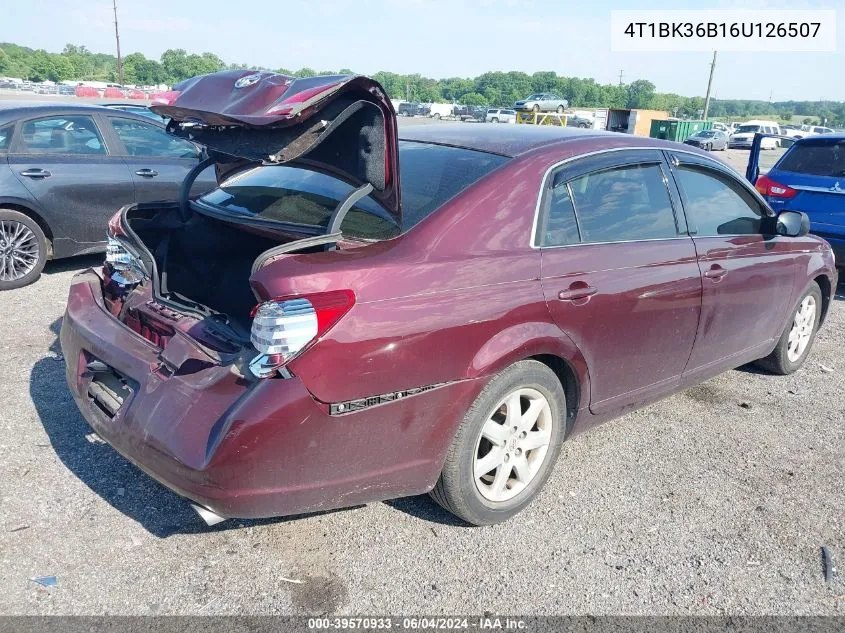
column 247, row 448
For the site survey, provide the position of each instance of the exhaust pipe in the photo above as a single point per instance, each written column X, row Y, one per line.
column 210, row 518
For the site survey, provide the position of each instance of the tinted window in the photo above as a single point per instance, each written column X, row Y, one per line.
column 745, row 129
column 818, row 157
column 560, row 228
column 430, row 175
column 623, row 203
column 62, row 135
column 145, row 139
column 718, row 205
column 5, row 137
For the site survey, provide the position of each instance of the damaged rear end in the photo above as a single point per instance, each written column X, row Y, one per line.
column 176, row 354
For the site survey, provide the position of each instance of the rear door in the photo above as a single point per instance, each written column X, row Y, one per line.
column 158, row 161
column 748, row 276
column 65, row 164
column 619, row 273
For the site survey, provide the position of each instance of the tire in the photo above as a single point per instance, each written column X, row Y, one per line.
column 437, row 115
column 560, row 109
column 494, row 120
column 458, row 491
column 31, row 249
column 783, row 359
column 536, row 108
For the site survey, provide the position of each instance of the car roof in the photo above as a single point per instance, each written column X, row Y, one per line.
column 513, row 140
column 13, row 109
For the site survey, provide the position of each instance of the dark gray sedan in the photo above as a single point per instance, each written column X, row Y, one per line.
column 709, row 140
column 66, row 169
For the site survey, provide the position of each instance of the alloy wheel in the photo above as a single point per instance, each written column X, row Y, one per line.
column 18, row 250
column 802, row 329
column 512, row 445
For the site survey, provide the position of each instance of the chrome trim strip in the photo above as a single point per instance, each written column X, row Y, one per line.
column 817, row 189
column 350, row 406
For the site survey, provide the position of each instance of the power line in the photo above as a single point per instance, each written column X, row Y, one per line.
column 709, row 86
column 117, row 39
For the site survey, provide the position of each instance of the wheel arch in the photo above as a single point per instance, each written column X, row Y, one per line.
column 545, row 343
column 27, row 210
column 827, row 293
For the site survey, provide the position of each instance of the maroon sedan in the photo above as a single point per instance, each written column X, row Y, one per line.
column 355, row 316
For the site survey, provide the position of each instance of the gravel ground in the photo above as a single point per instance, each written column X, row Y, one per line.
column 715, row 501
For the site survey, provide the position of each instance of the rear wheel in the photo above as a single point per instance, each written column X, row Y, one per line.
column 494, row 120
column 536, row 107
column 23, row 250
column 436, row 115
column 560, row 109
column 506, row 446
column 797, row 339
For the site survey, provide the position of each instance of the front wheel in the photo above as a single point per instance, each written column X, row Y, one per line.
column 437, row 115
column 560, row 109
column 797, row 339
column 23, row 250
column 494, row 120
column 506, row 446
column 536, row 108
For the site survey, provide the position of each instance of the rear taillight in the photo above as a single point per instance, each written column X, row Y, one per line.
column 769, row 187
column 283, row 327
column 126, row 268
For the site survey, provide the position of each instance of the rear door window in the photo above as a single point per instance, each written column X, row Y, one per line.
column 626, row 203
column 716, row 203
column 146, row 139
column 823, row 157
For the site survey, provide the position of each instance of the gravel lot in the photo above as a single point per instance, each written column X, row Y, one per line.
column 715, row 501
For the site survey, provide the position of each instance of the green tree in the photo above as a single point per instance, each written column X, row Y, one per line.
column 473, row 99
column 305, row 72
column 640, row 94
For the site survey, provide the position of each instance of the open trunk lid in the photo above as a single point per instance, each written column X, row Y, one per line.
column 342, row 125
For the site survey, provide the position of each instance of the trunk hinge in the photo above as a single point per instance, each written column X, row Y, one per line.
column 345, row 205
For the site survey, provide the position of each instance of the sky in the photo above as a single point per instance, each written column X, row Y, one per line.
column 436, row 38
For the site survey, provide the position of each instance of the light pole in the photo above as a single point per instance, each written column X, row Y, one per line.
column 709, row 85
column 117, row 39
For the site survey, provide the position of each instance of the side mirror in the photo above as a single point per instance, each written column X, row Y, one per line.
column 792, row 224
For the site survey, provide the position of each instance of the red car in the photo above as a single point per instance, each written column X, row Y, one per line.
column 355, row 315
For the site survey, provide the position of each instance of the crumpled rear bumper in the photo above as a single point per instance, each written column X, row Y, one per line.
column 251, row 448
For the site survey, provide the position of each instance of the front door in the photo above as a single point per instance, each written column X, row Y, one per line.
column 748, row 276
column 619, row 274
column 64, row 163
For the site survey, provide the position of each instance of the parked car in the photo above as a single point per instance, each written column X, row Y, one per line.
column 407, row 108
column 500, row 115
column 134, row 109
column 708, row 140
column 294, row 341
column 809, row 177
column 744, row 135
column 470, row 113
column 542, row 102
column 722, row 127
column 578, row 120
column 819, row 129
column 64, row 170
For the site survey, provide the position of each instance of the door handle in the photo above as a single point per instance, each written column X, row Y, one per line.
column 147, row 173
column 36, row 173
column 716, row 272
column 577, row 290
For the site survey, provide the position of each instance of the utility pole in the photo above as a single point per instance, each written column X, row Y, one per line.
column 621, row 73
column 709, row 85
column 117, row 39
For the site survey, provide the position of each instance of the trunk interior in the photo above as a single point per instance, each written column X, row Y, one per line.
column 204, row 260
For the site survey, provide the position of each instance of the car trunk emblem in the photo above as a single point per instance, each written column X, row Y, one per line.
column 249, row 80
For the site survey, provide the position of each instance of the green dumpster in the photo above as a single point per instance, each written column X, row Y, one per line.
column 675, row 130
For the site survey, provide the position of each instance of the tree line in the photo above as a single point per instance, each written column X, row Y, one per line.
column 491, row 88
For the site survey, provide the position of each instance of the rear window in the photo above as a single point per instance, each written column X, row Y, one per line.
column 817, row 157
column 429, row 175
